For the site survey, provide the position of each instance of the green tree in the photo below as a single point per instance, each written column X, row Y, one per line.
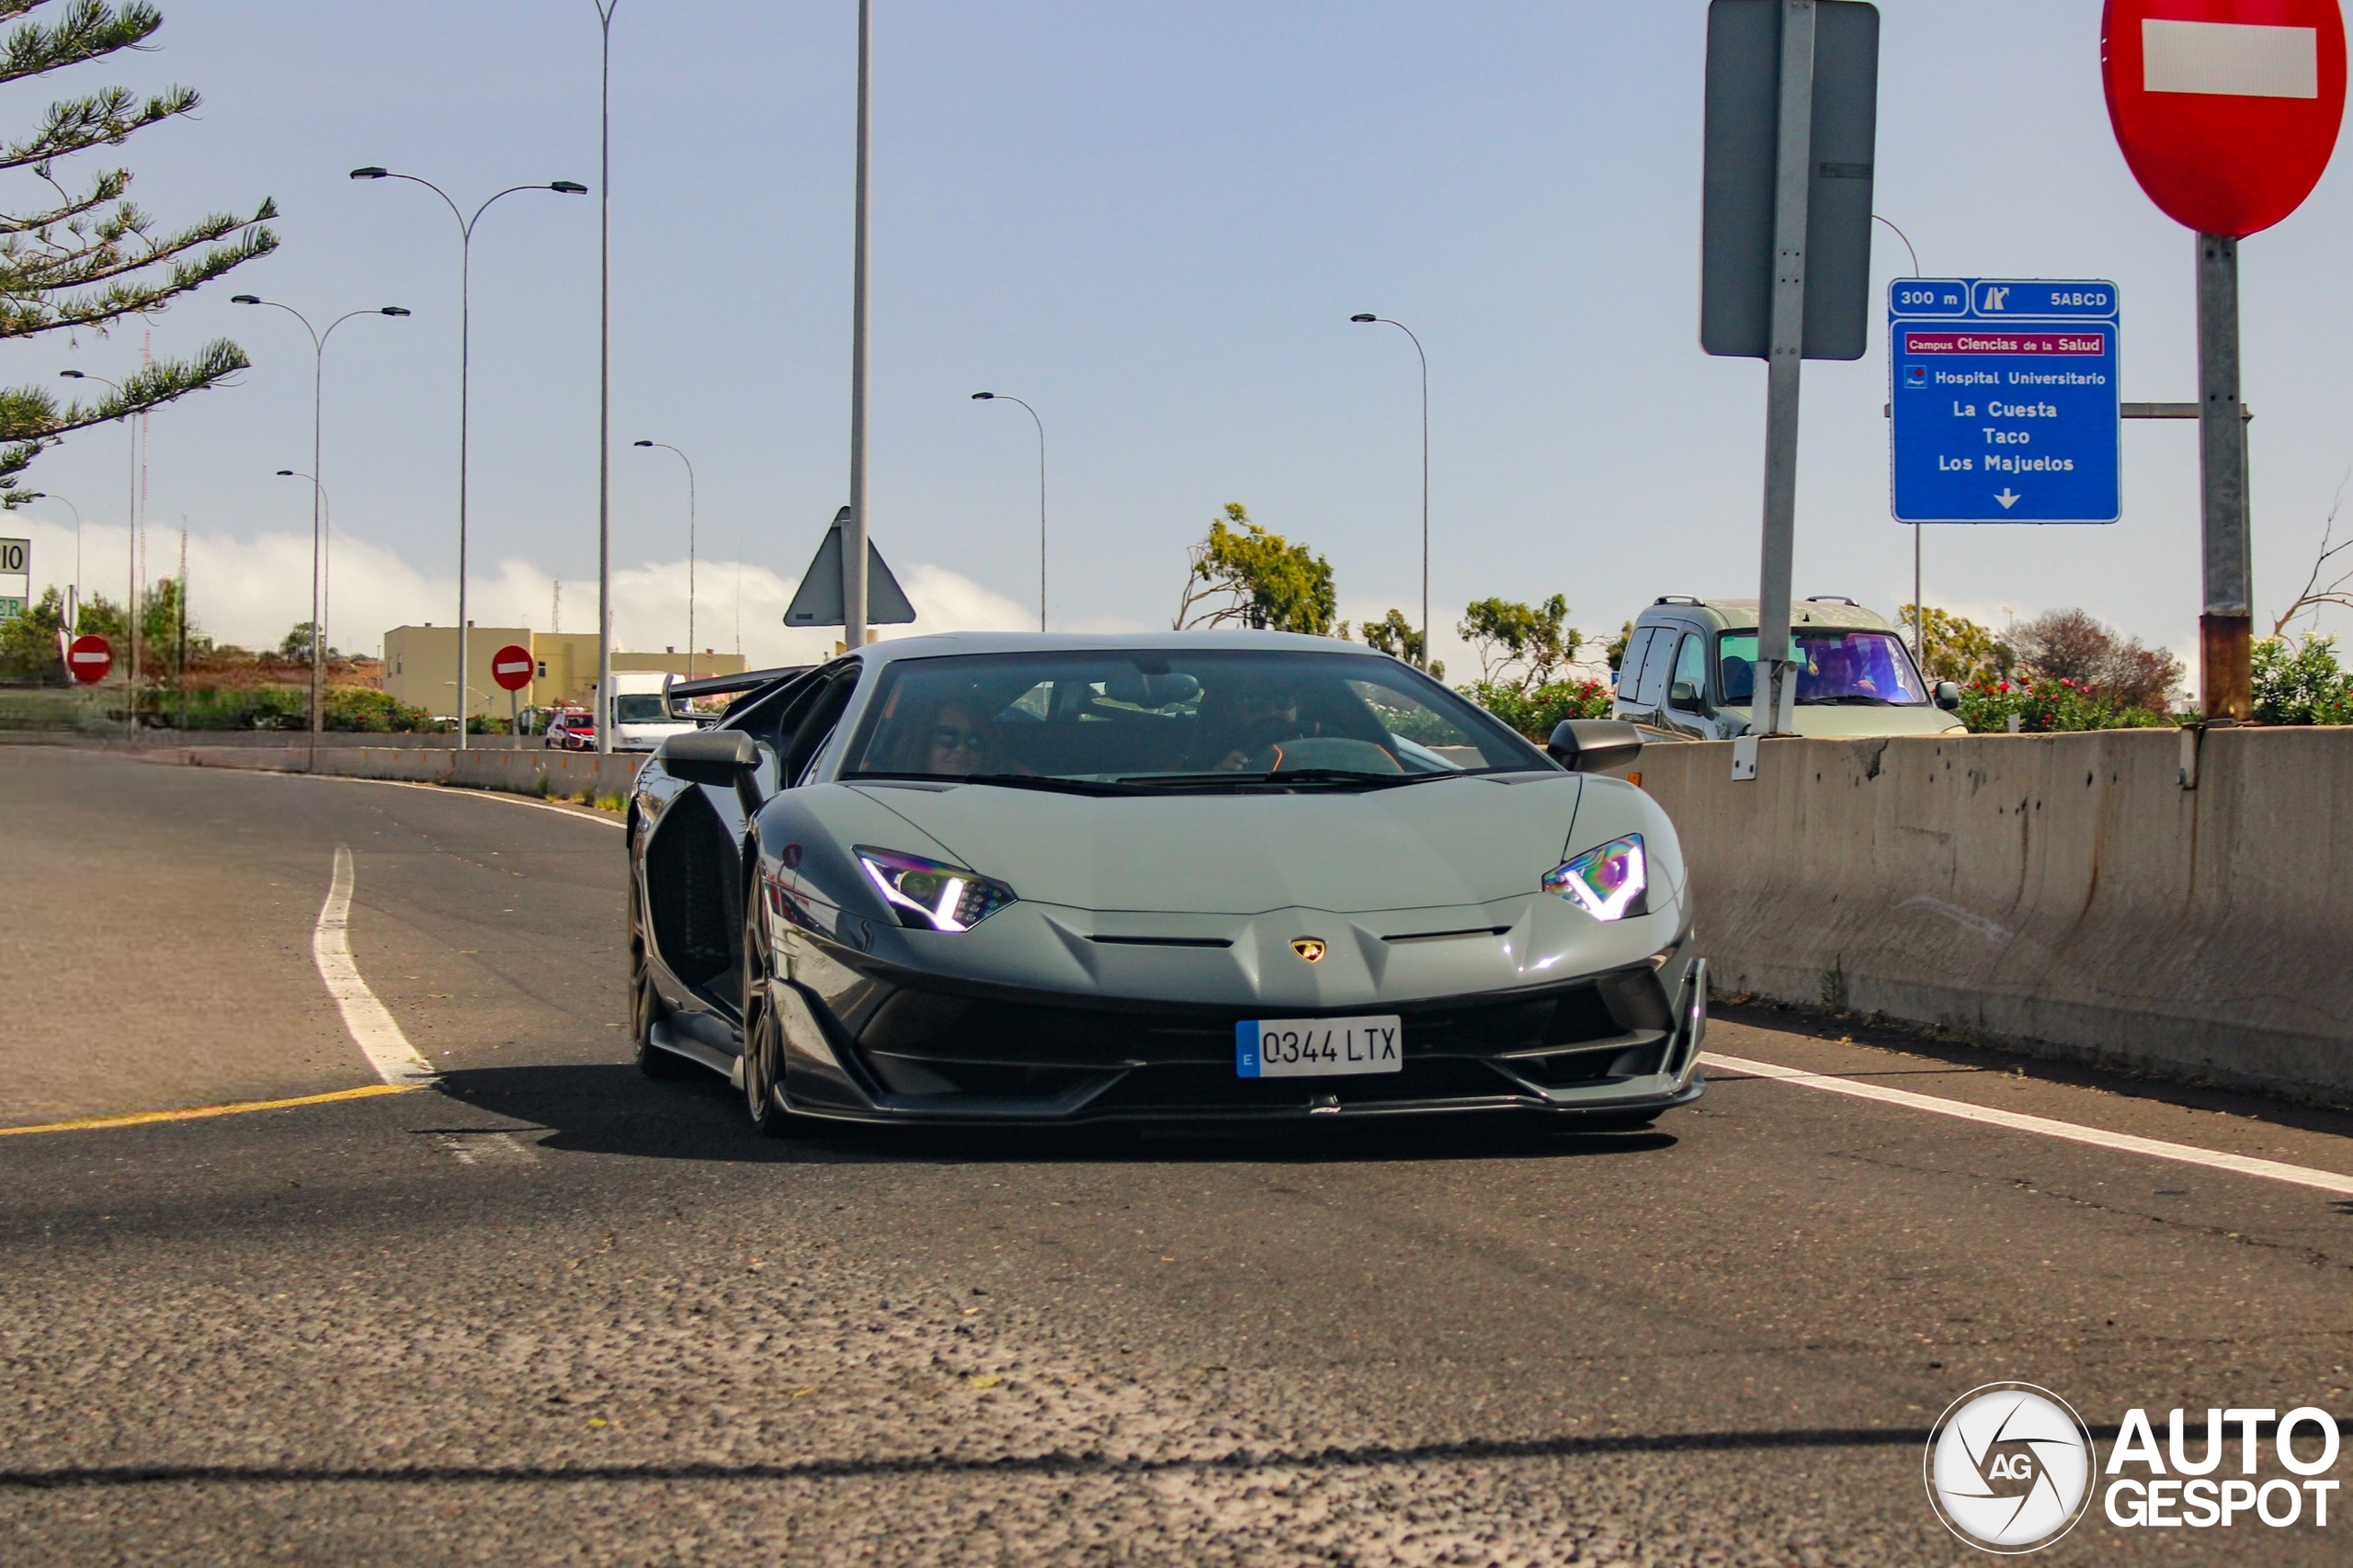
column 1521, row 646
column 1400, row 639
column 297, row 645
column 1620, row 643
column 84, row 257
column 1242, row 575
column 1960, row 650
column 28, row 642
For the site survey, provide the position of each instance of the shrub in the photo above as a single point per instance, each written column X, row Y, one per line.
column 373, row 712
column 1536, row 713
column 2046, row 706
column 2301, row 685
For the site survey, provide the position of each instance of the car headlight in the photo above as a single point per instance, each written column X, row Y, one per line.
column 930, row 896
column 1608, row 883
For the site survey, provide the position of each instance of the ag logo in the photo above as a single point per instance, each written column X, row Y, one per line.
column 1311, row 948
column 2009, row 1468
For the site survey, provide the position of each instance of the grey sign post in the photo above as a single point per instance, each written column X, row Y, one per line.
column 1792, row 111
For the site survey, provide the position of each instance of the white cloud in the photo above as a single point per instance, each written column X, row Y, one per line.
column 251, row 591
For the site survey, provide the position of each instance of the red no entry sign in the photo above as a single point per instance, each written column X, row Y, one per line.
column 89, row 659
column 512, row 667
column 2227, row 110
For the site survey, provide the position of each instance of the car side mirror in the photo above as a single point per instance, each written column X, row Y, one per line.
column 1683, row 694
column 709, row 757
column 1594, row 745
column 1948, row 695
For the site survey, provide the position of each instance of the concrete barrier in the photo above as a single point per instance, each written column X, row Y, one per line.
column 2066, row 894
column 539, row 772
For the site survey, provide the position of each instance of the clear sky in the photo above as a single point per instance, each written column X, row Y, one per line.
column 1151, row 219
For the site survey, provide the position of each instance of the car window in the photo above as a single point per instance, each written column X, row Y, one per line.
column 641, row 708
column 1835, row 668
column 816, row 722
column 1180, row 717
column 1629, row 663
column 1653, row 690
column 1689, row 689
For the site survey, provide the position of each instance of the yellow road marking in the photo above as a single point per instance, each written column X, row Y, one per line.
column 193, row 1113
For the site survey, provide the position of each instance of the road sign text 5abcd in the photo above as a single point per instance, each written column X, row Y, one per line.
column 2004, row 401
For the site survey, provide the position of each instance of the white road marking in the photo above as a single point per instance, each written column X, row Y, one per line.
column 2155, row 1148
column 372, row 1027
column 580, row 813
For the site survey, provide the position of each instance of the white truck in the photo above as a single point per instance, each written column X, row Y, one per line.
column 643, row 713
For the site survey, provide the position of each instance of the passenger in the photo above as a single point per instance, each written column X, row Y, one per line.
column 958, row 745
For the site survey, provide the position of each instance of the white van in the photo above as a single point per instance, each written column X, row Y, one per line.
column 642, row 714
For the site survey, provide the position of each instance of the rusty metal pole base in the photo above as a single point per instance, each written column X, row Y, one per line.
column 2225, row 659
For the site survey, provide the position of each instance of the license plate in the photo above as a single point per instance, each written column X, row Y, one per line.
column 1317, row 1047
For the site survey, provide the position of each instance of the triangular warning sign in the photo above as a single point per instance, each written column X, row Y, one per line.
column 818, row 601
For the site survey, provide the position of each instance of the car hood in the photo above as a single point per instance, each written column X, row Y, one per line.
column 1424, row 846
column 1819, row 722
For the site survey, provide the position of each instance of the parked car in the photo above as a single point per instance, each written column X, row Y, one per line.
column 1031, row 879
column 572, row 730
column 1689, row 673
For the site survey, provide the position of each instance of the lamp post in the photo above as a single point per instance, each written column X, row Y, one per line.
column 605, row 9
column 854, row 535
column 1004, row 397
column 74, row 609
column 465, row 374
column 322, row 568
column 1920, row 614
column 131, row 550
column 318, row 569
column 691, row 551
column 1425, row 358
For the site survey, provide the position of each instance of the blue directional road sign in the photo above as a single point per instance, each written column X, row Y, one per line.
column 2003, row 401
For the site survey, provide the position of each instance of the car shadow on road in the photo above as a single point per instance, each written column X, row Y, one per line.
column 614, row 1110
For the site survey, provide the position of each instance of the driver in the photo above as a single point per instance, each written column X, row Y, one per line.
column 1843, row 673
column 1246, row 717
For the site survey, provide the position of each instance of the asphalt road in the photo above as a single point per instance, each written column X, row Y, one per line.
column 554, row 1313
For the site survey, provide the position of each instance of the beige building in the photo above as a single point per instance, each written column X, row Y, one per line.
column 420, row 667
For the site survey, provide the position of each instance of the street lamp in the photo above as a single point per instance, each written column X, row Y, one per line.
column 465, row 376
column 690, row 551
column 325, row 561
column 605, row 9
column 318, row 562
column 1368, row 317
column 1002, row 397
column 131, row 550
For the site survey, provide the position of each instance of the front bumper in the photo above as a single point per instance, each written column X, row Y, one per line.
column 892, row 1046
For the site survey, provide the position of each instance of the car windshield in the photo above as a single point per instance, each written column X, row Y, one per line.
column 1858, row 669
column 641, row 708
column 1175, row 719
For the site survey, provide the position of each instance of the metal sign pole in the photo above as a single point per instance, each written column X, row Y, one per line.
column 2226, row 630
column 1793, row 180
column 854, row 533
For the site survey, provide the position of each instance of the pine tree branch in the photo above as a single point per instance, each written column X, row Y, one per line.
column 30, row 420
column 25, row 284
column 108, row 117
column 108, row 186
column 90, row 30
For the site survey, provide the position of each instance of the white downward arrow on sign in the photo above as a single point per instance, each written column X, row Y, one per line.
column 2008, row 498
